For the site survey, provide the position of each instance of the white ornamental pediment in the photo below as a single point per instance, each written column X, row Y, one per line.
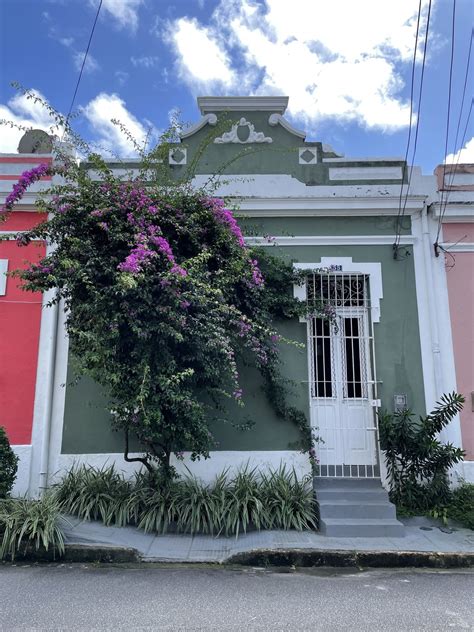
column 243, row 133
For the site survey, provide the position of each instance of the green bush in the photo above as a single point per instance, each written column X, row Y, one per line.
column 8, row 465
column 30, row 524
column 461, row 505
column 417, row 462
column 228, row 506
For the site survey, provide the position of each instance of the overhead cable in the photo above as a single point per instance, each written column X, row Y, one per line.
column 82, row 67
column 397, row 240
column 451, row 63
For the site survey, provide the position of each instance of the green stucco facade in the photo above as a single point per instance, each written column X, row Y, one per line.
column 87, row 427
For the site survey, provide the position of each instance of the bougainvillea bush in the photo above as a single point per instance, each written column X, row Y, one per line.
column 164, row 301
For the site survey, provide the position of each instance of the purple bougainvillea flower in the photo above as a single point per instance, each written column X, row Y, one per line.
column 26, row 179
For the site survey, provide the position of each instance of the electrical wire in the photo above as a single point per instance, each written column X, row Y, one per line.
column 443, row 210
column 451, row 63
column 412, row 89
column 82, row 68
column 462, row 107
column 452, row 173
column 417, row 127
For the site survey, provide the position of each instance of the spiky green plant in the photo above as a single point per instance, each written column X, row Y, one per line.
column 30, row 524
column 290, row 502
column 95, row 494
column 244, row 506
column 198, row 507
column 156, row 503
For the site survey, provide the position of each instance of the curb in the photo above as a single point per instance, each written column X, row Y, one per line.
column 80, row 553
column 293, row 558
column 355, row 559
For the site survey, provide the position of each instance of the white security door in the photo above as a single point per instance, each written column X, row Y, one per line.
column 341, row 387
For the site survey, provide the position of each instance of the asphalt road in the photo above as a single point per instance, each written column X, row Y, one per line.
column 195, row 598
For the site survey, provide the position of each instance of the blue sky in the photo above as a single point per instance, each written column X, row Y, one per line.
column 345, row 66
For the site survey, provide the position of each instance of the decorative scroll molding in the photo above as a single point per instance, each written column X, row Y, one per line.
column 210, row 119
column 233, row 137
column 275, row 119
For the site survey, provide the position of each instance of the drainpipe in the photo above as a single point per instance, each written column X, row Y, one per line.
column 48, row 412
column 432, row 310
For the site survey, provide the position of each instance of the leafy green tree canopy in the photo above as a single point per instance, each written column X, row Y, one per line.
column 163, row 300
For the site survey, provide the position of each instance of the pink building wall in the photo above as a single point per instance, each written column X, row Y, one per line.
column 460, row 280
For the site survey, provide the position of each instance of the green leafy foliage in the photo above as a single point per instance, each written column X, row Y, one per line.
column 8, row 465
column 156, row 503
column 417, row 461
column 164, row 300
column 461, row 505
column 27, row 525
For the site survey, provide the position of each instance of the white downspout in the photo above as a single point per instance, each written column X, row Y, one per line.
column 52, row 335
column 432, row 311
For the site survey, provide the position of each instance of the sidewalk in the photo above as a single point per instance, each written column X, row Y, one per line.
column 422, row 536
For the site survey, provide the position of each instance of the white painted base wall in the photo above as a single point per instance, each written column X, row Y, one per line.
column 463, row 472
column 205, row 469
column 22, row 482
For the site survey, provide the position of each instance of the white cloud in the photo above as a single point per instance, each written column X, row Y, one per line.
column 464, row 155
column 26, row 113
column 121, row 76
column 123, row 12
column 91, row 64
column 147, row 61
column 99, row 113
column 337, row 59
column 201, row 56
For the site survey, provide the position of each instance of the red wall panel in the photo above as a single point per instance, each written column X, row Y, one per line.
column 20, row 318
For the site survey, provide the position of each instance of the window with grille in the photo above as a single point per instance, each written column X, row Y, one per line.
column 337, row 290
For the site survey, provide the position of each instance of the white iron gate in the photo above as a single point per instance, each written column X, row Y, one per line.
column 343, row 390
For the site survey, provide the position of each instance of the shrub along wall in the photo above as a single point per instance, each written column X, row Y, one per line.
column 249, row 500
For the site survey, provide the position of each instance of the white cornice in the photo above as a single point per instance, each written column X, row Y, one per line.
column 463, row 213
column 330, row 240
column 242, row 104
column 459, row 247
column 342, row 159
column 325, row 206
column 275, row 119
column 210, row 119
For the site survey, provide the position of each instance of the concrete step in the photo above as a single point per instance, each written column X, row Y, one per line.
column 361, row 528
column 345, row 482
column 355, row 509
column 357, row 495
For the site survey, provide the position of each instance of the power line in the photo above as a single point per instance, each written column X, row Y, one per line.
column 463, row 96
column 82, row 68
column 395, row 245
column 453, row 171
column 436, row 248
column 443, row 209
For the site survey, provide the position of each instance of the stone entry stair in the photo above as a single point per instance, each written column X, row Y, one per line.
column 355, row 507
